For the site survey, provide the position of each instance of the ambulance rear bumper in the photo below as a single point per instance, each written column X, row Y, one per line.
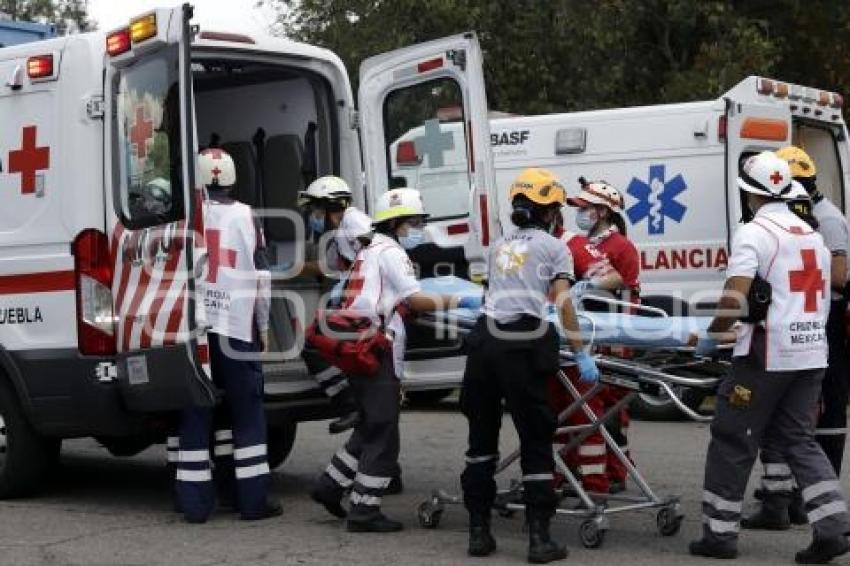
column 65, row 394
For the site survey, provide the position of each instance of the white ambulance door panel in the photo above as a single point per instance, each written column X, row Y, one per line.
column 751, row 128
column 424, row 125
column 155, row 210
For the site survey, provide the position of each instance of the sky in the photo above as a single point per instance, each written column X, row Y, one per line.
column 214, row 15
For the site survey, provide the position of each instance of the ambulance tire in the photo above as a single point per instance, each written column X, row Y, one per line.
column 649, row 408
column 281, row 438
column 26, row 457
column 426, row 398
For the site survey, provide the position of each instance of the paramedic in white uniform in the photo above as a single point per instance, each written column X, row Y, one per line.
column 382, row 285
column 771, row 396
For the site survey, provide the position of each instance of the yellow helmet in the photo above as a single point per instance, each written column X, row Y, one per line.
column 540, row 186
column 802, row 166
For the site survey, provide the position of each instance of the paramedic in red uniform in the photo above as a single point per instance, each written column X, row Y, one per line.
column 599, row 214
column 237, row 297
column 382, row 285
column 593, row 272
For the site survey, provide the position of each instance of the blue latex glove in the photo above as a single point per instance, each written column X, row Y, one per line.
column 706, row 347
column 586, row 367
column 471, row 302
column 580, row 288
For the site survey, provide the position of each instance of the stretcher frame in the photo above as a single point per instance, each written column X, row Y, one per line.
column 651, row 372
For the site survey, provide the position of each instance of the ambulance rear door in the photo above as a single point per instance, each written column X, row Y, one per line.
column 423, row 109
column 753, row 124
column 156, row 221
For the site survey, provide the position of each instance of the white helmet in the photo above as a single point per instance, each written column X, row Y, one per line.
column 328, row 187
column 399, row 203
column 598, row 192
column 354, row 225
column 767, row 175
column 217, row 169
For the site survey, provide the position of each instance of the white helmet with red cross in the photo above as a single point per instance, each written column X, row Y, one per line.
column 217, row 170
column 767, row 175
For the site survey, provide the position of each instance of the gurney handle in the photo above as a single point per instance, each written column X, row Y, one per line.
column 690, row 413
column 631, row 368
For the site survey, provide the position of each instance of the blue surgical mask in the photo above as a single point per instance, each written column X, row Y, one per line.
column 317, row 224
column 586, row 219
column 414, row 237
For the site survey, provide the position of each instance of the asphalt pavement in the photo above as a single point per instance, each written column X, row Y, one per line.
column 101, row 510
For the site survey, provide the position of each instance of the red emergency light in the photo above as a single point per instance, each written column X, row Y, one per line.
column 429, row 65
column 837, row 100
column 40, row 66
column 823, row 98
column 405, row 154
column 764, row 86
column 118, row 42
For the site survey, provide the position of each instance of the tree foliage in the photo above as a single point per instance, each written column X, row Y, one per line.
column 67, row 15
column 566, row 55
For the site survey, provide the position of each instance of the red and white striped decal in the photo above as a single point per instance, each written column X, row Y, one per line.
column 149, row 286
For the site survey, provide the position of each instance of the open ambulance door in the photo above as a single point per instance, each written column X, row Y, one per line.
column 424, row 125
column 751, row 127
column 155, row 214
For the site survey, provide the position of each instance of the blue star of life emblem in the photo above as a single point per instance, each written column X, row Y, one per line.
column 656, row 199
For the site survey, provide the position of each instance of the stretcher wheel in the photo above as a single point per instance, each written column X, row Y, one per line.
column 429, row 515
column 669, row 521
column 591, row 533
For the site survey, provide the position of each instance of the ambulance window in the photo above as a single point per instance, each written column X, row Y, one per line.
column 147, row 142
column 425, row 136
column 821, row 144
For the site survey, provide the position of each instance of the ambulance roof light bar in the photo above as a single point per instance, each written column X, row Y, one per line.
column 143, row 27
column 41, row 68
column 118, row 42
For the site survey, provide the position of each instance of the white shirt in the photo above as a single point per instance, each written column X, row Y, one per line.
column 789, row 255
column 236, row 291
column 381, row 278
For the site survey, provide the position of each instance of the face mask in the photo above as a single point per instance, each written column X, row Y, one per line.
column 414, row 237
column 317, row 224
column 586, row 219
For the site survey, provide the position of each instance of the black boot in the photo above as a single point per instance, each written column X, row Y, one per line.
column 541, row 548
column 329, row 496
column 481, row 541
column 772, row 514
column 343, row 403
column 797, row 509
column 714, row 549
column 378, row 523
column 269, row 510
column 822, row 551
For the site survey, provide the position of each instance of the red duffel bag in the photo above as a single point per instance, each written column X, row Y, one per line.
column 350, row 341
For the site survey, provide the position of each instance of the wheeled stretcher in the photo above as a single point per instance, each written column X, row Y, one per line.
column 663, row 365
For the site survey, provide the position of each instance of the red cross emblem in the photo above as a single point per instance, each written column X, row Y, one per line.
column 776, row 177
column 216, row 172
column 808, row 280
column 141, row 132
column 218, row 257
column 28, row 160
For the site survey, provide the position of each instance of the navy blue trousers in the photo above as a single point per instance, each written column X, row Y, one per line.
column 240, row 462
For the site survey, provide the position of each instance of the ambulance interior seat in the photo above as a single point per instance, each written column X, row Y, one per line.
column 282, row 181
column 243, row 156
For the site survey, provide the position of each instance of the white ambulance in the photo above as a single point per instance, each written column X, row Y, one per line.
column 100, row 332
column 676, row 165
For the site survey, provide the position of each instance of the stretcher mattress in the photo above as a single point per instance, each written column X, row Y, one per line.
column 600, row 328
